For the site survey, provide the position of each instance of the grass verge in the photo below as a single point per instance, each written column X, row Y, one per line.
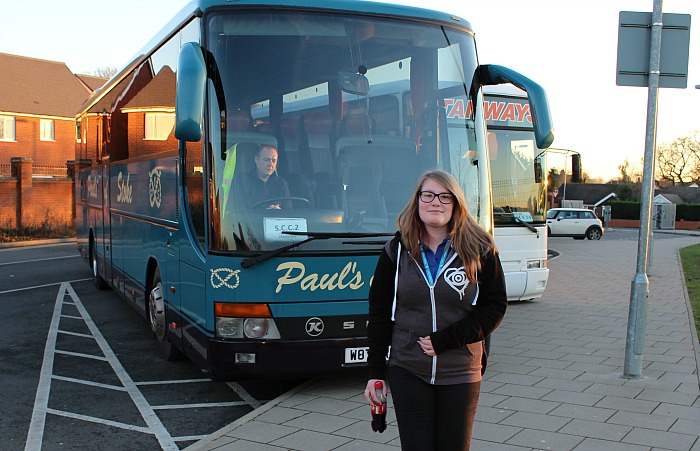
column 690, row 259
column 9, row 235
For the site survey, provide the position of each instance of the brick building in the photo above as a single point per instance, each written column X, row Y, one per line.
column 38, row 103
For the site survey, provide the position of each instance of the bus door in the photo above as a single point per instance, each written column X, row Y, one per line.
column 171, row 283
column 106, row 229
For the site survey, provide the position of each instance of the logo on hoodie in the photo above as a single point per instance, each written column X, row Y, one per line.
column 457, row 279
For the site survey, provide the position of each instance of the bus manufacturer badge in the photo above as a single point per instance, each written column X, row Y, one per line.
column 154, row 191
column 220, row 277
column 314, row 326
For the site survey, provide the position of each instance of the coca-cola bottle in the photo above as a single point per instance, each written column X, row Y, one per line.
column 379, row 410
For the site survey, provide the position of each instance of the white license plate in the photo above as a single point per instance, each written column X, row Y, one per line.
column 356, row 355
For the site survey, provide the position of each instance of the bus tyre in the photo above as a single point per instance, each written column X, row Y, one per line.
column 157, row 319
column 99, row 282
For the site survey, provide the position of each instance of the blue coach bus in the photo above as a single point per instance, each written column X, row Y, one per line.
column 163, row 217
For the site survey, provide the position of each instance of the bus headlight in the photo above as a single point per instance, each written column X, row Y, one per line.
column 260, row 328
column 229, row 327
column 245, row 321
column 533, row 264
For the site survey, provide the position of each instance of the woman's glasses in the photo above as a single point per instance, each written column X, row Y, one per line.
column 428, row 196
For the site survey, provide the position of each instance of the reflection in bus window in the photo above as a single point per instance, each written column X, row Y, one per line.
column 349, row 162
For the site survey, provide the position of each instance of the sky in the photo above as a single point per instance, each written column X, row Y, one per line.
column 567, row 46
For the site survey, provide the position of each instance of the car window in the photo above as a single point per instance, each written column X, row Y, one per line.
column 588, row 215
column 570, row 215
column 551, row 214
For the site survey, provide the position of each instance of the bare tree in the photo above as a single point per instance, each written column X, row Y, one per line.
column 624, row 169
column 104, row 72
column 679, row 161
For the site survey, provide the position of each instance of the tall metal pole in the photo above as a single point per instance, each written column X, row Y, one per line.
column 636, row 322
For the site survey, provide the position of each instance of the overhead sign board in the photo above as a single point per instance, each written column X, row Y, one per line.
column 634, row 43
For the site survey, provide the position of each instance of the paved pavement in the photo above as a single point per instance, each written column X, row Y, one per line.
column 554, row 379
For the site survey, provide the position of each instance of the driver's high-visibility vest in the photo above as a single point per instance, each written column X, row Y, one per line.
column 227, row 177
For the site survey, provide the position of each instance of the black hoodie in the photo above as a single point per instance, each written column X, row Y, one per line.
column 457, row 315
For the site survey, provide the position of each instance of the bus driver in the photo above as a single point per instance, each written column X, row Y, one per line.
column 263, row 182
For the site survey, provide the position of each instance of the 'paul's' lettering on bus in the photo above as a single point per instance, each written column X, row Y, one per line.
column 294, row 273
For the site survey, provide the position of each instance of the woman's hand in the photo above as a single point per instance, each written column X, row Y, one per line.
column 427, row 345
column 370, row 392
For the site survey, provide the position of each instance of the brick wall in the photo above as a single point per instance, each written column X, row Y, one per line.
column 26, row 201
column 8, row 202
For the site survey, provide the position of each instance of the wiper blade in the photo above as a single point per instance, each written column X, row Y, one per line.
column 527, row 224
column 248, row 262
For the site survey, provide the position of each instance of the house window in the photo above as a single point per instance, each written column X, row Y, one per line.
column 7, row 128
column 159, row 125
column 78, row 135
column 46, row 130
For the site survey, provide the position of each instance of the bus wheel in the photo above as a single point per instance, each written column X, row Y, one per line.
column 157, row 319
column 99, row 282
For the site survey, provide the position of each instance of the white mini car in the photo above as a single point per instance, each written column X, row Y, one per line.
column 578, row 223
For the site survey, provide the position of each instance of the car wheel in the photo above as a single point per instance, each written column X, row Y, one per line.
column 157, row 319
column 594, row 233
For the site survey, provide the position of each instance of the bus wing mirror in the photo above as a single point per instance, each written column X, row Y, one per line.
column 492, row 74
column 576, row 168
column 189, row 103
column 538, row 170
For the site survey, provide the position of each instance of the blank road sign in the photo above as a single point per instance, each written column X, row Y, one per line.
column 634, row 44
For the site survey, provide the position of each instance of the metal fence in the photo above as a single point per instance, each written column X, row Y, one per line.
column 37, row 170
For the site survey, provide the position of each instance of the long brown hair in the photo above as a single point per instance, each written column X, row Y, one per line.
column 468, row 238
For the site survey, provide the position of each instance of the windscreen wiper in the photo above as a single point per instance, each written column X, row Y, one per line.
column 248, row 262
column 528, row 225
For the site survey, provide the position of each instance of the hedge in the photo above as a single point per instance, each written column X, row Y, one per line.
column 621, row 209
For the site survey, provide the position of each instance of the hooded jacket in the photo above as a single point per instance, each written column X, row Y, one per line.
column 456, row 314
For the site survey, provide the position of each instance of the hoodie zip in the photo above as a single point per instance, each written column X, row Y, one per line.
column 433, row 308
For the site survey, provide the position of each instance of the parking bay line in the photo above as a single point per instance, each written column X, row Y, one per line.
column 38, row 260
column 44, row 286
column 41, row 409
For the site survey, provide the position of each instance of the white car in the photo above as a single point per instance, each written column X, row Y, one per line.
column 578, row 223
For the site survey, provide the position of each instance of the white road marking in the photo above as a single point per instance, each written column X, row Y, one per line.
column 36, row 429
column 82, row 355
column 43, row 286
column 91, row 383
column 175, row 381
column 41, row 401
column 77, row 416
column 200, row 404
column 75, row 334
column 244, row 395
column 71, row 317
column 38, row 260
column 67, row 296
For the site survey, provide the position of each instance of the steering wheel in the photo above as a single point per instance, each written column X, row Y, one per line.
column 275, row 200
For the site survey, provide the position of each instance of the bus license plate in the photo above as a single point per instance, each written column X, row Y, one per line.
column 356, row 355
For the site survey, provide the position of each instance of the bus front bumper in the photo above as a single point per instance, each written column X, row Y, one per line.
column 230, row 360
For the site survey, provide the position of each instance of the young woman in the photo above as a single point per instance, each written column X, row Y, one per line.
column 438, row 292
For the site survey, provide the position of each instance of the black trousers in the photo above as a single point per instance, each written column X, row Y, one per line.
column 432, row 417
